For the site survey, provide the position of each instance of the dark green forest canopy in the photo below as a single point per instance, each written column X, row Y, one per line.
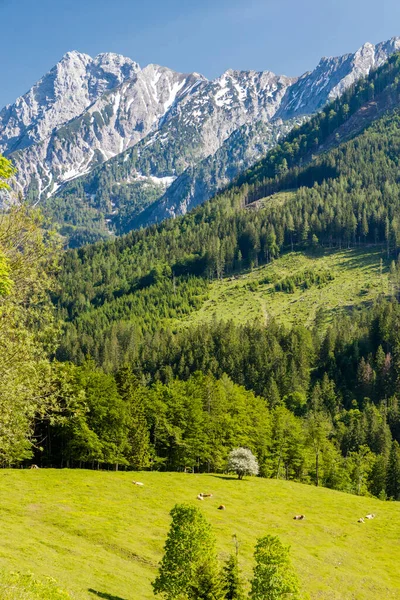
column 133, row 286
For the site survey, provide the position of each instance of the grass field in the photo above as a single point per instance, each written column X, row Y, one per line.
column 98, row 535
column 357, row 280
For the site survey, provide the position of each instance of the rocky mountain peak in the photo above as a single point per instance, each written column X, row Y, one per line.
column 62, row 94
column 87, row 111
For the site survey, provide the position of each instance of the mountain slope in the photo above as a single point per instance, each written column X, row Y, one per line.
column 346, row 196
column 169, row 122
column 117, row 120
column 167, row 153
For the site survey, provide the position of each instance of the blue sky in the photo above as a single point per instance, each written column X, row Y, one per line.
column 208, row 36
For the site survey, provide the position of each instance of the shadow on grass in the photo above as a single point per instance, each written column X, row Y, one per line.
column 105, row 595
column 228, row 477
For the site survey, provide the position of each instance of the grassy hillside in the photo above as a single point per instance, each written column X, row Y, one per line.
column 356, row 279
column 97, row 532
column 26, row 586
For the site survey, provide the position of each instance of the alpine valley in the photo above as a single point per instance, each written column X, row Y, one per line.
column 187, row 399
column 107, row 147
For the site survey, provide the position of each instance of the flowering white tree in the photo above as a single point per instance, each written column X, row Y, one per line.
column 242, row 462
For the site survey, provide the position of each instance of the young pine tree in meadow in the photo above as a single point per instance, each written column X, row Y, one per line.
column 232, row 581
column 274, row 577
column 207, row 583
column 189, row 567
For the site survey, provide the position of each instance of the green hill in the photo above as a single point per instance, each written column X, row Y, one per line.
column 346, row 279
column 97, row 532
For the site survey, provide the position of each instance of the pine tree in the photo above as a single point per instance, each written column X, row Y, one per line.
column 207, row 583
column 232, row 580
column 138, row 436
column 274, row 578
column 188, row 552
column 393, row 472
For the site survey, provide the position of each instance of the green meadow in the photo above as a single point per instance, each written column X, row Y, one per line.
column 358, row 278
column 100, row 536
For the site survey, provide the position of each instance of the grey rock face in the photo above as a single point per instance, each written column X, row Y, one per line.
column 61, row 95
column 243, row 148
column 332, row 76
column 89, row 111
column 117, row 120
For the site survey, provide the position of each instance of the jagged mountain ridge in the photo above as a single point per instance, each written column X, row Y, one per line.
column 61, row 95
column 155, row 123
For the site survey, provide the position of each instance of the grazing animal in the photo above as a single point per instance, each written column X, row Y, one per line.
column 200, row 497
column 33, row 467
column 137, row 483
column 299, row 517
column 370, row 516
column 360, row 520
column 206, row 495
column 221, row 507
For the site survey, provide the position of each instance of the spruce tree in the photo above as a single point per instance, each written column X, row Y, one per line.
column 207, row 583
column 393, row 472
column 232, row 580
column 138, row 436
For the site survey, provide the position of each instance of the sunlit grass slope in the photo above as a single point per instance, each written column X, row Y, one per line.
column 25, row 586
column 358, row 277
column 97, row 532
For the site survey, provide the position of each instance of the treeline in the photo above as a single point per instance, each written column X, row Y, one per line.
column 105, row 421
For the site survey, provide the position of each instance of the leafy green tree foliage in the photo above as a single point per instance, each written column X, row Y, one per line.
column 393, row 472
column 207, row 583
column 189, row 556
column 106, row 422
column 274, row 577
column 377, row 477
column 27, row 329
column 6, row 171
column 360, row 464
column 242, row 462
column 287, row 451
column 6, row 282
column 194, row 423
column 318, row 426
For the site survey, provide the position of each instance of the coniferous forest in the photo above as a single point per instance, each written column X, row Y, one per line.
column 99, row 369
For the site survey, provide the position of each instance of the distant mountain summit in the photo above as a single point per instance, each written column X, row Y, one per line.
column 61, row 95
column 119, row 138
